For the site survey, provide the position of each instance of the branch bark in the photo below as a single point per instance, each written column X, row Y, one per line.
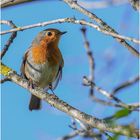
column 54, row 101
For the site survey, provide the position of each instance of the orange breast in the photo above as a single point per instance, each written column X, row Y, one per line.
column 54, row 56
column 39, row 54
column 43, row 53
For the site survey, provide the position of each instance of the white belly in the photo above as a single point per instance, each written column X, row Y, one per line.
column 41, row 74
column 48, row 75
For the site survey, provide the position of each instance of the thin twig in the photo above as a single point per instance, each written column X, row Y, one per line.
column 74, row 5
column 125, row 84
column 135, row 105
column 82, row 133
column 132, row 107
column 64, row 107
column 10, row 40
column 87, row 82
column 71, row 135
column 74, row 21
column 6, row 3
column 90, row 58
column 135, row 4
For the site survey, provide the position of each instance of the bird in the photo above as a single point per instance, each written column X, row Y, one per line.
column 43, row 62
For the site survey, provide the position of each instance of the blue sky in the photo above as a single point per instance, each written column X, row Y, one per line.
column 113, row 64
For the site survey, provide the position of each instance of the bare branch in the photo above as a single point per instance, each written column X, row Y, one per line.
column 135, row 105
column 135, row 4
column 10, row 40
column 5, row 3
column 71, row 20
column 88, row 4
column 91, row 75
column 90, row 57
column 76, row 6
column 126, row 84
column 132, row 107
column 64, row 107
column 71, row 135
column 82, row 133
column 87, row 82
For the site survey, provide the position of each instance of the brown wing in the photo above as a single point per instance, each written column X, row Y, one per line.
column 59, row 75
column 22, row 68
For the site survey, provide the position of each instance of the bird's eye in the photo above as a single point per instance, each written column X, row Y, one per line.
column 49, row 33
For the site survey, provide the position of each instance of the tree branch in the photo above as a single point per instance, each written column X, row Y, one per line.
column 74, row 21
column 76, row 6
column 6, row 3
column 135, row 4
column 88, row 4
column 64, row 107
column 133, row 106
column 10, row 40
column 87, row 82
column 81, row 132
column 90, row 58
column 126, row 84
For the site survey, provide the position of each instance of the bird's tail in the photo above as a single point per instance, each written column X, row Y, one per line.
column 35, row 103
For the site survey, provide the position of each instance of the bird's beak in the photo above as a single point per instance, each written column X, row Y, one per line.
column 61, row 33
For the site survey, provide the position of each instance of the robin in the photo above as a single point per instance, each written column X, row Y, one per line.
column 43, row 62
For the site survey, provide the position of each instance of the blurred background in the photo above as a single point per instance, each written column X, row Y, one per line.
column 114, row 64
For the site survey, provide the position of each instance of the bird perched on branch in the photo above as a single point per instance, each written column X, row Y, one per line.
column 43, row 62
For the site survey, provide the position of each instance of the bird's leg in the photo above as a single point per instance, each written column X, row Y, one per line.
column 73, row 125
column 50, row 87
column 31, row 84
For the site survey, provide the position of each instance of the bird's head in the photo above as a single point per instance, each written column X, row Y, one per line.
column 51, row 36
